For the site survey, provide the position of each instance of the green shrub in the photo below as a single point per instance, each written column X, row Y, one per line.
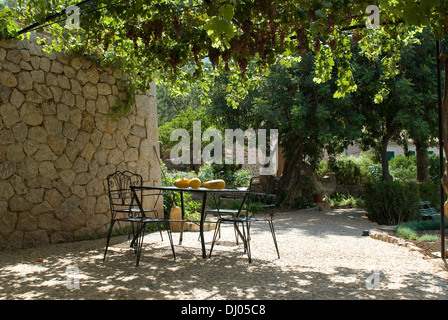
column 433, row 168
column 403, row 168
column 374, row 171
column 206, row 173
column 366, row 167
column 348, row 172
column 391, row 202
column 337, row 199
column 346, row 169
column 230, row 173
column 430, row 192
column 351, row 170
column 241, row 178
column 406, row 233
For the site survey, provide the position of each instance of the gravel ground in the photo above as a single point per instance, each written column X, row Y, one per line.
column 323, row 256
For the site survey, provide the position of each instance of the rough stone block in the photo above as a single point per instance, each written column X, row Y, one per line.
column 35, row 239
column 6, row 190
column 24, row 81
column 90, row 91
column 16, row 99
column 26, row 222
column 8, row 222
column 9, row 114
column 19, row 204
column 8, row 79
column 31, row 114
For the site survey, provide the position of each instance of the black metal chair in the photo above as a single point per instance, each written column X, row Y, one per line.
column 225, row 205
column 126, row 206
column 251, row 203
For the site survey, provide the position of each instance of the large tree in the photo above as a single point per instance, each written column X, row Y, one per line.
column 305, row 113
column 420, row 119
column 409, row 111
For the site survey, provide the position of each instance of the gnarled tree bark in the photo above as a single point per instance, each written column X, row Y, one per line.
column 290, row 179
column 444, row 181
column 421, row 153
column 384, row 143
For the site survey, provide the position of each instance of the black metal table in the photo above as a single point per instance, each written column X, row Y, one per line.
column 205, row 192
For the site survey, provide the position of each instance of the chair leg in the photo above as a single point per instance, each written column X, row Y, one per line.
column 112, row 222
column 271, row 225
column 241, row 234
column 160, row 230
column 244, row 234
column 131, row 231
column 215, row 234
column 170, row 237
column 139, row 245
column 134, row 240
column 140, row 237
column 247, row 242
column 235, row 228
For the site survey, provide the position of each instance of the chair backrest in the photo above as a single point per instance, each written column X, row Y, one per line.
column 244, row 205
column 120, row 195
column 259, row 200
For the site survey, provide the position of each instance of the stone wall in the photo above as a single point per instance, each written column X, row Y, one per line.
column 58, row 144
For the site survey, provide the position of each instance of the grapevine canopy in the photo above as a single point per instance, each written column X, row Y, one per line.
column 191, row 41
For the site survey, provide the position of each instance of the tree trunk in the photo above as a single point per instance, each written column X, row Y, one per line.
column 384, row 143
column 421, row 153
column 290, row 179
column 444, row 181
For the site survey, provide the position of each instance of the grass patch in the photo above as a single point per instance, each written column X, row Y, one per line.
column 428, row 238
column 411, row 230
column 406, row 233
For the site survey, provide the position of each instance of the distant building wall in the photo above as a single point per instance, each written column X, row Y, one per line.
column 393, row 149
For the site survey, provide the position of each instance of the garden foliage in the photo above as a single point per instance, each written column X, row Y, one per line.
column 391, row 202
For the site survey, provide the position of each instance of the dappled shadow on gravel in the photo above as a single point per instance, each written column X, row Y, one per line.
column 42, row 273
column 324, row 223
column 188, row 277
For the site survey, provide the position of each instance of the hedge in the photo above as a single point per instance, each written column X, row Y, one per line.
column 431, row 192
column 391, row 202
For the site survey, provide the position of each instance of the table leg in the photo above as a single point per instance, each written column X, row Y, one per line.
column 201, row 226
column 183, row 215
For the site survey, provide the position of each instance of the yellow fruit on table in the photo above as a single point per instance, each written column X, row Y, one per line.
column 195, row 183
column 214, row 184
column 182, row 182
